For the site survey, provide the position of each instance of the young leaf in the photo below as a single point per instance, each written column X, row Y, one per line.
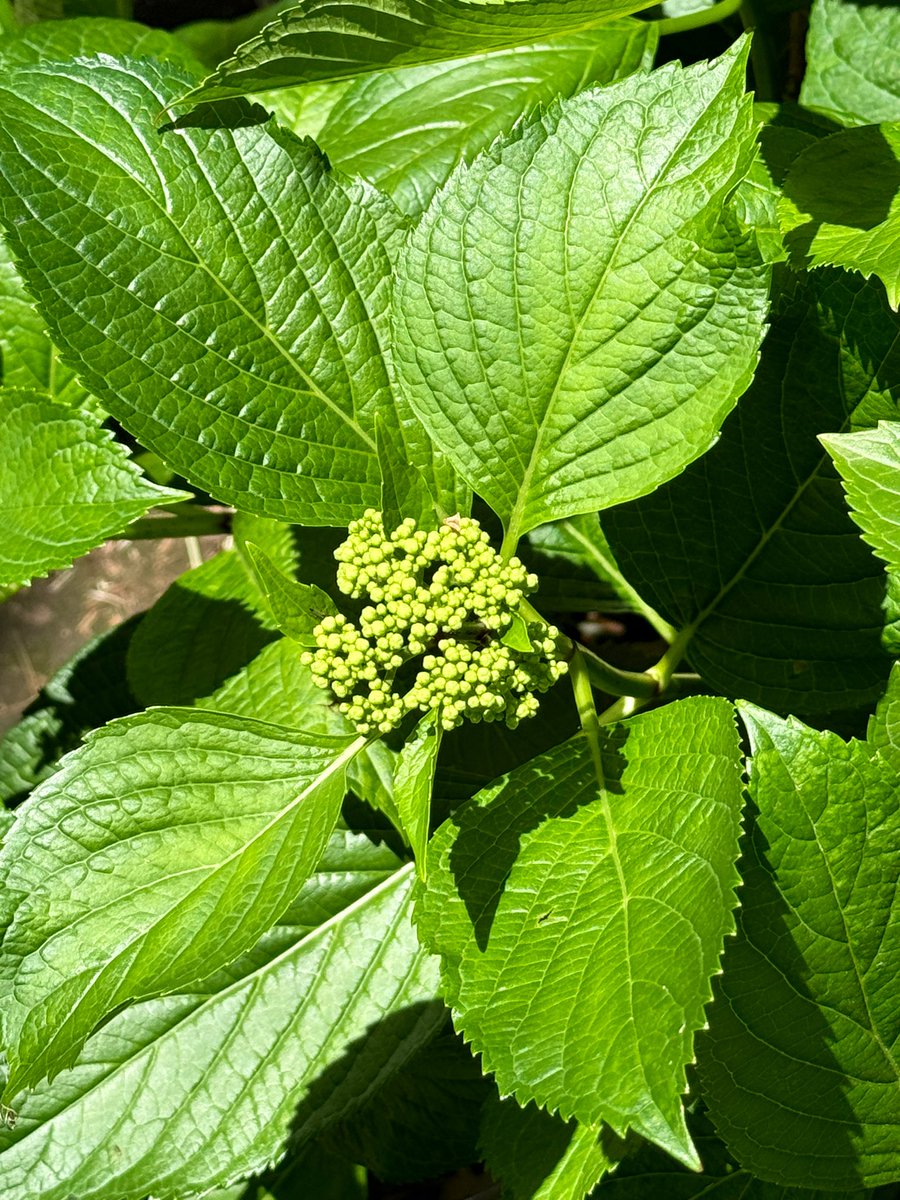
column 67, row 486
column 841, row 205
column 851, row 61
column 869, row 463
column 564, row 310
column 752, row 548
column 578, row 926
column 172, row 840
column 296, row 607
column 539, row 1157
column 406, row 130
column 800, row 1067
column 177, row 1095
column 336, row 39
column 413, row 782
column 248, row 287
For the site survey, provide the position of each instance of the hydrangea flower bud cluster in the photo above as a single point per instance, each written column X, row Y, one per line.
column 448, row 596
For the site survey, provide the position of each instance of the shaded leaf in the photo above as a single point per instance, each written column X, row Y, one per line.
column 336, row 39
column 67, row 486
column 296, row 607
column 540, row 1157
column 613, row 357
column 195, row 830
column 752, row 548
column 578, row 927
column 800, row 1065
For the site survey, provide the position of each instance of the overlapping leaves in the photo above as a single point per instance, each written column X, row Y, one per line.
column 801, row 1066
column 337, row 39
column 578, row 925
column 158, row 853
column 752, row 547
column 219, row 291
column 565, row 310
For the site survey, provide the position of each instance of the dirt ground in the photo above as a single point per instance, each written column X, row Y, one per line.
column 43, row 625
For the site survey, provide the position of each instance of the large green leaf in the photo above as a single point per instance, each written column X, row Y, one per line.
column 178, row 1094
column 841, row 204
column 335, row 39
column 579, row 926
column 869, row 463
column 160, row 851
column 851, row 61
column 406, row 130
column 220, row 292
column 752, row 548
column 66, row 486
column 800, row 1067
column 574, row 314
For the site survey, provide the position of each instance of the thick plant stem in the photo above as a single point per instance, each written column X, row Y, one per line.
column 662, row 672
column 617, row 682
column 196, row 522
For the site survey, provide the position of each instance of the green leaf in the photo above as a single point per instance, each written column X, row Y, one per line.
column 211, row 41
column 517, row 636
column 752, row 548
column 204, row 627
column 869, row 463
column 296, row 607
column 89, row 690
column 314, row 1173
column 841, row 205
column 80, row 35
column 172, row 840
column 249, row 287
column 425, row 1121
column 884, row 726
column 336, row 39
column 404, row 492
column 579, row 927
column 413, row 782
column 851, row 61
column 406, row 130
column 540, row 1157
column 613, row 357
column 28, row 359
column 67, row 486
column 800, row 1066
column 186, row 1092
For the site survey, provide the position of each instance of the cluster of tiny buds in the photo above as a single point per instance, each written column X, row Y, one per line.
column 445, row 595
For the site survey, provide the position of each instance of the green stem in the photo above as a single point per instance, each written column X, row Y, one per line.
column 662, row 672
column 696, row 20
column 617, row 682
column 763, row 59
column 587, row 712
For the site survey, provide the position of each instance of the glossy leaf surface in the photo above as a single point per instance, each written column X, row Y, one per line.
column 578, row 928
column 172, row 840
column 869, row 463
column 66, row 486
column 851, row 61
column 565, row 310
column 336, row 39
